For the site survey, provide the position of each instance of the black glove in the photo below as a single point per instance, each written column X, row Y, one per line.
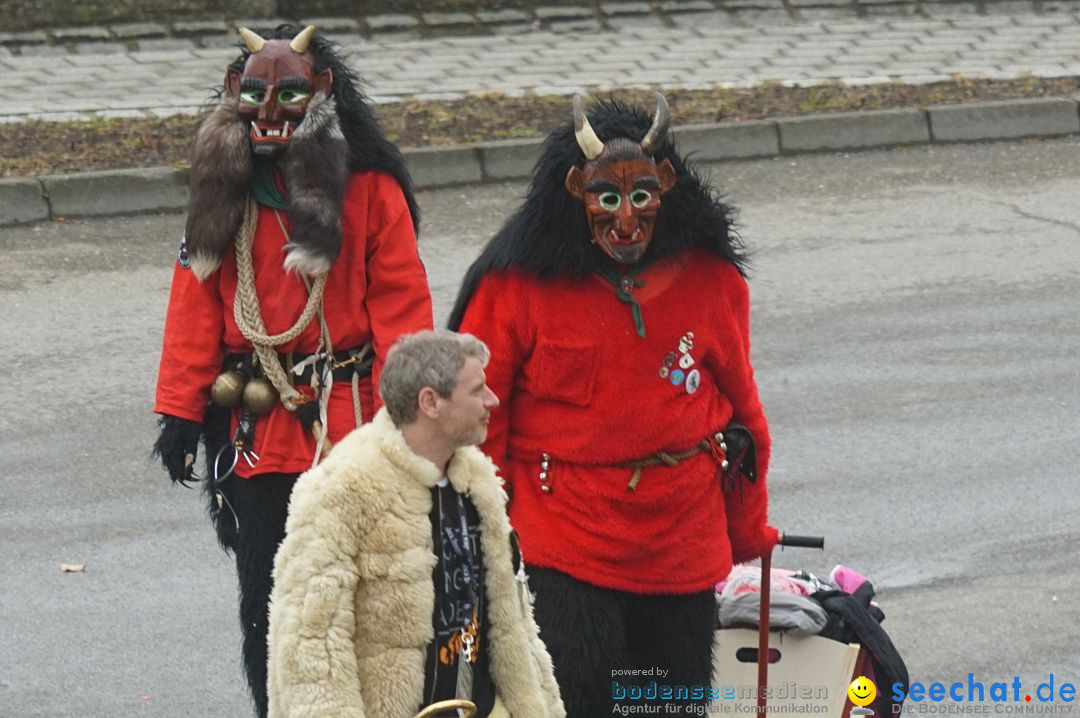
column 741, row 455
column 177, row 446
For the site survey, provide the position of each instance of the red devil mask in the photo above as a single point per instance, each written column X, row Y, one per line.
column 275, row 88
column 621, row 185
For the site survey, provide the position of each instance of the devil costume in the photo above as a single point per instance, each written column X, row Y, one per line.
column 298, row 270
column 630, row 434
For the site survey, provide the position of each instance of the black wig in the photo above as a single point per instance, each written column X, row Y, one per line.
column 548, row 236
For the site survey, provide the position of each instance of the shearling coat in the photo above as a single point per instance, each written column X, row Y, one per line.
column 351, row 611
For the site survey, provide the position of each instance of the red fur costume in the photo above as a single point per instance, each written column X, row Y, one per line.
column 615, row 308
column 375, row 291
column 579, row 384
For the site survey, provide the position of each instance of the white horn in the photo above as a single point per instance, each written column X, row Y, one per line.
column 587, row 140
column 654, row 138
column 300, row 43
column 253, row 41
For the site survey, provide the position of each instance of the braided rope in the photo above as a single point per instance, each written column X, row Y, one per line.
column 660, row 457
column 249, row 317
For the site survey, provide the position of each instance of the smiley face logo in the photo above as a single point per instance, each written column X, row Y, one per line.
column 862, row 691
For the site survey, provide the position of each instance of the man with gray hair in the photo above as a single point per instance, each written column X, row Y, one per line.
column 399, row 583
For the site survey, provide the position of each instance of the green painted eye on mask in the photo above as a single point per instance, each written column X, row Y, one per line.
column 253, row 97
column 640, row 197
column 610, row 200
column 292, row 97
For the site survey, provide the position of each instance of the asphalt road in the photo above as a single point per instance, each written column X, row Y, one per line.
column 915, row 339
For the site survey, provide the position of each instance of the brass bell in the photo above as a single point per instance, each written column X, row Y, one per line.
column 228, row 389
column 260, row 396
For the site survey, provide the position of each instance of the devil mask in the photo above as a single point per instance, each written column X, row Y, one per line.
column 276, row 106
column 275, row 88
column 621, row 185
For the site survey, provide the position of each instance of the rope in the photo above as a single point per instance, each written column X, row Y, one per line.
column 660, row 457
column 356, row 399
column 321, row 385
column 249, row 318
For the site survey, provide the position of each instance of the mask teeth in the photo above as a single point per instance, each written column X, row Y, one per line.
column 267, row 132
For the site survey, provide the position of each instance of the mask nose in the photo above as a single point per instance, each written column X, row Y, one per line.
column 624, row 218
column 270, row 111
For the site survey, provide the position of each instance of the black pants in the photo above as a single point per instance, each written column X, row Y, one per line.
column 261, row 504
column 596, row 636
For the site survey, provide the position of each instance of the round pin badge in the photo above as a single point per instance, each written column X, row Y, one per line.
column 677, row 377
column 693, row 381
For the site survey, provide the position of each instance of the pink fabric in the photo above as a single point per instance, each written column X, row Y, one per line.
column 846, row 579
column 747, row 579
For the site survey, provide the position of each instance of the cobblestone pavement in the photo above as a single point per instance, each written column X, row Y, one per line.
column 146, row 69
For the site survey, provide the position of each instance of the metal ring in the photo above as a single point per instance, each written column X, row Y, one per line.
column 218, row 478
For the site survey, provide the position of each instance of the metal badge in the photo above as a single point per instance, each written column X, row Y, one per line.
column 686, row 361
column 677, row 377
column 693, row 381
column 669, row 361
column 182, row 255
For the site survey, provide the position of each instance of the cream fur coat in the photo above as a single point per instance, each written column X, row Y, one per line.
column 351, row 609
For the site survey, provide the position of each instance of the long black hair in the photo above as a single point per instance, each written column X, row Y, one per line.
column 548, row 236
column 368, row 147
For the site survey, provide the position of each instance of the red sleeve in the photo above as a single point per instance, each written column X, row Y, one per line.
column 746, row 504
column 397, row 300
column 491, row 316
column 193, row 352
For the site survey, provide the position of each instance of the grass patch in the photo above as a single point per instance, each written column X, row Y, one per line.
column 35, row 148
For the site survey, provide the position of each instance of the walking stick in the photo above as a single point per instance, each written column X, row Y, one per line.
column 763, row 615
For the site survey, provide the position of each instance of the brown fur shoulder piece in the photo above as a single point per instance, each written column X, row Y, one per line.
column 316, row 171
column 221, row 172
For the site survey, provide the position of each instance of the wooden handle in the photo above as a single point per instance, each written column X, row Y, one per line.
column 468, row 708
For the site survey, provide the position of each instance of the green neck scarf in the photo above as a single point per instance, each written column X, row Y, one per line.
column 624, row 282
column 263, row 186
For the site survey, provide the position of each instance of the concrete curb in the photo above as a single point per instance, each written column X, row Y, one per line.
column 446, row 165
column 854, row 130
column 22, row 200
column 1004, row 119
column 93, row 194
column 729, row 140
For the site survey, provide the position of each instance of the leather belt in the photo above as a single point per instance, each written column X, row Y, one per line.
column 345, row 364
